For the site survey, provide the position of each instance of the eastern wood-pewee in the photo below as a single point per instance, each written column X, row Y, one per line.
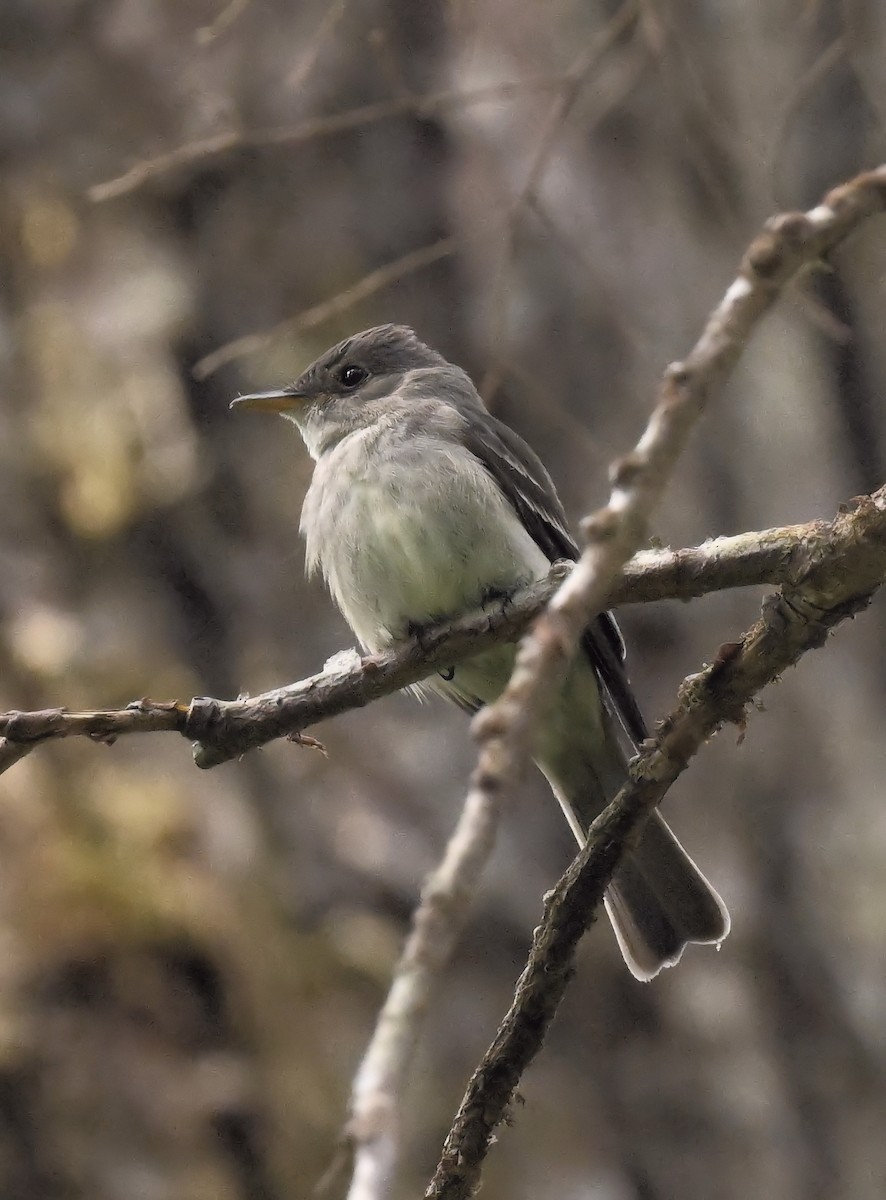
column 423, row 506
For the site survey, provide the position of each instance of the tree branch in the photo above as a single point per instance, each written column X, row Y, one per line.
column 375, row 281
column 837, row 584
column 230, row 728
column 217, row 145
column 368, row 1154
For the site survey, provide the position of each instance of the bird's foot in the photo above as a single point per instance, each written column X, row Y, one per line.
column 496, row 595
column 420, row 631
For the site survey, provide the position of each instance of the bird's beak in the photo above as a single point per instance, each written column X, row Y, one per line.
column 279, row 401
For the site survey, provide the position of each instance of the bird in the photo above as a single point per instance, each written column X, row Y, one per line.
column 423, row 506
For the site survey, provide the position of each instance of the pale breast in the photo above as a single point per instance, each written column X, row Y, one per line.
column 408, row 531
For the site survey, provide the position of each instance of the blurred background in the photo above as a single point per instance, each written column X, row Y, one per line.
column 554, row 196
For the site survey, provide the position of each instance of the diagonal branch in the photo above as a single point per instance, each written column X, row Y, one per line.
column 838, row 584
column 230, row 728
column 504, row 730
column 375, row 281
column 585, row 67
column 368, row 1154
column 217, row 145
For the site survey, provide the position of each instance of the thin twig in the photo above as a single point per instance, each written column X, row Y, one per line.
column 222, row 23
column 838, row 584
column 208, row 148
column 564, row 101
column 329, row 22
column 621, row 23
column 437, row 924
column 232, row 727
column 832, row 55
column 375, row 281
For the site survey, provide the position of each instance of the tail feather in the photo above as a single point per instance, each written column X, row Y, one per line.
column 659, row 902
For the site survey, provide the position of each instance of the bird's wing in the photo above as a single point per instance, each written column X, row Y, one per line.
column 523, row 479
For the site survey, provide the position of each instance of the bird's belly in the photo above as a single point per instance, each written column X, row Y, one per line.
column 414, row 563
column 400, row 557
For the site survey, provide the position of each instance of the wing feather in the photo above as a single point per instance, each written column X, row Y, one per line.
column 524, row 481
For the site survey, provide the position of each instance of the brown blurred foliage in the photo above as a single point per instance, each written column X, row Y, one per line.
column 191, row 962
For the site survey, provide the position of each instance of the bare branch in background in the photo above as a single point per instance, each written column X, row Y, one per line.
column 832, row 55
column 222, row 23
column 837, row 585
column 310, row 54
column 375, row 281
column 206, row 149
column 564, row 101
column 231, row 727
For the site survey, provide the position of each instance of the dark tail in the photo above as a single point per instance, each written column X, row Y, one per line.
column 659, row 902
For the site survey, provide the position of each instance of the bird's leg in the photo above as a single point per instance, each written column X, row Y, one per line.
column 418, row 631
column 496, row 595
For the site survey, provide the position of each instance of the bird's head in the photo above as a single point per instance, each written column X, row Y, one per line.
column 349, row 387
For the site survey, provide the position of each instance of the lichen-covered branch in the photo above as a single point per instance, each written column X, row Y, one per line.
column 229, row 728
column 838, row 583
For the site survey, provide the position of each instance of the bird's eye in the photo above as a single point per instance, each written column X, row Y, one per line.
column 352, row 377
